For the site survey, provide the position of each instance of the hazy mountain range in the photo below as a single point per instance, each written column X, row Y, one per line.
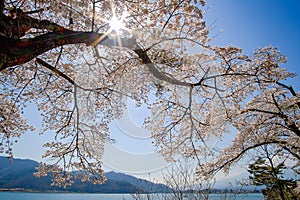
column 18, row 175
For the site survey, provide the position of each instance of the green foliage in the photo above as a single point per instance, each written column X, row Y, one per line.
column 264, row 174
column 271, row 176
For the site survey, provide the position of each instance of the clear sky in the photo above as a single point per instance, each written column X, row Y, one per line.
column 248, row 24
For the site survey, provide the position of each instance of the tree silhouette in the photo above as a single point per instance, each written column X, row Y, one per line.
column 265, row 172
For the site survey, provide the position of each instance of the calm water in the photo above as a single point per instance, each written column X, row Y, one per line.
column 60, row 196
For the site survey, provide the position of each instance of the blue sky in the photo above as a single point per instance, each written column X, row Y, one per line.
column 248, row 24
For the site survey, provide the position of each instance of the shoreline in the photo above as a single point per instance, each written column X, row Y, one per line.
column 216, row 191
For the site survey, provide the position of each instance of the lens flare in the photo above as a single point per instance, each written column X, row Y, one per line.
column 116, row 24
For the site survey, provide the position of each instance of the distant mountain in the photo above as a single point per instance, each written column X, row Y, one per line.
column 145, row 185
column 232, row 182
column 18, row 174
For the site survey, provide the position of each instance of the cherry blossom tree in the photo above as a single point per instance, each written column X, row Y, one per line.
column 269, row 115
column 78, row 61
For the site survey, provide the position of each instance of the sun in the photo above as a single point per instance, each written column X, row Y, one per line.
column 116, row 24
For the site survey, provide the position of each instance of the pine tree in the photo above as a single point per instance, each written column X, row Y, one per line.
column 265, row 173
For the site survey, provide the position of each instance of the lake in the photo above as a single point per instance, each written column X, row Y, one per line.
column 83, row 196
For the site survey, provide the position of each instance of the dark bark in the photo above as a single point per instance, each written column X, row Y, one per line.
column 16, row 52
column 275, row 176
column 1, row 6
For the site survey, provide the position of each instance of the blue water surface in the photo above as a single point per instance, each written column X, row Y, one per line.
column 76, row 196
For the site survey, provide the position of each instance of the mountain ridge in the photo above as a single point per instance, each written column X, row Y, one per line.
column 18, row 174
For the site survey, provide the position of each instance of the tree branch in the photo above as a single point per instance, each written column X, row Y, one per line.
column 2, row 6
column 61, row 74
column 239, row 155
column 16, row 52
column 155, row 72
column 262, row 111
column 291, row 89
